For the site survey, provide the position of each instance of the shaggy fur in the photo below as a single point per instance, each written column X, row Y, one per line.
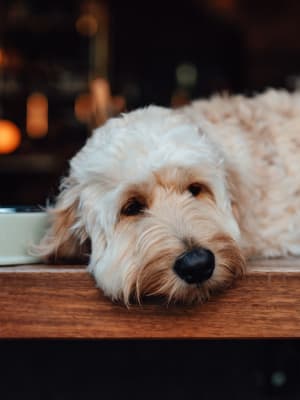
column 244, row 153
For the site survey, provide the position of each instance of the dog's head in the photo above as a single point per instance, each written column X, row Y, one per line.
column 151, row 193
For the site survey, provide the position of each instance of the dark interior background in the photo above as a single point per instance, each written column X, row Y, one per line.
column 165, row 52
column 135, row 370
column 133, row 53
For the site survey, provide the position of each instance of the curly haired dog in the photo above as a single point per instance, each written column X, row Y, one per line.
column 174, row 201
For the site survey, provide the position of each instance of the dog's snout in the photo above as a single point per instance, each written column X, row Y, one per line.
column 195, row 266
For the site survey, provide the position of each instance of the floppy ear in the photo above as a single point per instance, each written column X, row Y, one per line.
column 66, row 238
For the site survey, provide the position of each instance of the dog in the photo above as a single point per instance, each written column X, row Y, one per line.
column 171, row 203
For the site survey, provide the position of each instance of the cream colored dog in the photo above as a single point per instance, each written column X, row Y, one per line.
column 174, row 201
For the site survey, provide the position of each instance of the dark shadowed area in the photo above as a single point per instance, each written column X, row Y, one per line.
column 260, row 370
column 67, row 66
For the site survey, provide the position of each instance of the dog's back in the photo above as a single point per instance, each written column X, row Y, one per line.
column 260, row 137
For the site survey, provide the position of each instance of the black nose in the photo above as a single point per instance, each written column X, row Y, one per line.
column 195, row 266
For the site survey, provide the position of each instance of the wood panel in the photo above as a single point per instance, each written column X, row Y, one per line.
column 62, row 302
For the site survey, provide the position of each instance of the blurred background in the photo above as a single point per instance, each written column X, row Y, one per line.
column 67, row 66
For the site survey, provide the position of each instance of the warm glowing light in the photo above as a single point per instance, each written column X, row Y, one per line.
column 2, row 58
column 10, row 59
column 101, row 96
column 87, row 25
column 224, row 4
column 84, row 107
column 37, row 115
column 10, row 137
column 96, row 107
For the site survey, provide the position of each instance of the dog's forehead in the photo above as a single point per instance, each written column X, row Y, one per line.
column 145, row 131
column 142, row 142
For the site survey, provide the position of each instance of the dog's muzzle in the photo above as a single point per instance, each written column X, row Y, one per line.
column 195, row 266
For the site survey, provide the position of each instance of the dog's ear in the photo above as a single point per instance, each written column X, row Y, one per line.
column 66, row 238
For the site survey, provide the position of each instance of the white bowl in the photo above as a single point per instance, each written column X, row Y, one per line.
column 20, row 228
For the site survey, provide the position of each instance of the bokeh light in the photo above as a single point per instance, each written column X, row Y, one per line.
column 186, row 74
column 2, row 58
column 10, row 137
column 83, row 107
column 87, row 25
column 37, row 115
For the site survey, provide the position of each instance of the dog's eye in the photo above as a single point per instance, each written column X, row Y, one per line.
column 195, row 188
column 133, row 207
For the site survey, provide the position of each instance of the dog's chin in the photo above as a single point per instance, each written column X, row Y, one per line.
column 183, row 293
column 159, row 281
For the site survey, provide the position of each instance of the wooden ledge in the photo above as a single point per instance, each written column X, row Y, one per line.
column 39, row 301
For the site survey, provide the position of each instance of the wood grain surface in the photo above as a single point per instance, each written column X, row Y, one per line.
column 42, row 301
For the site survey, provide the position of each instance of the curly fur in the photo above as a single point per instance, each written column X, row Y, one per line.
column 244, row 151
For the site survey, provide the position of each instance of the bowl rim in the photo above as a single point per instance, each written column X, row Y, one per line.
column 21, row 209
